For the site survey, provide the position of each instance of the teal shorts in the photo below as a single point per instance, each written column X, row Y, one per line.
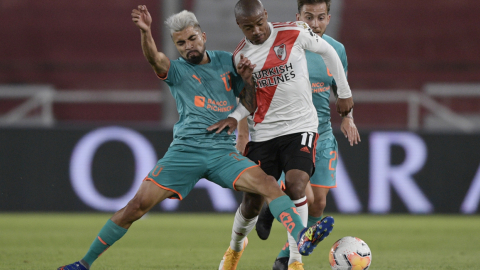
column 182, row 166
column 326, row 157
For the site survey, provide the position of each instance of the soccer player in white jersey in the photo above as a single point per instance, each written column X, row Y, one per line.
column 284, row 126
column 316, row 13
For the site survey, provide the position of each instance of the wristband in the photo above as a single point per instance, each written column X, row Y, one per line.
column 239, row 113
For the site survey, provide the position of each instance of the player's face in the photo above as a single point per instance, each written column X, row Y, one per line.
column 316, row 16
column 255, row 28
column 190, row 43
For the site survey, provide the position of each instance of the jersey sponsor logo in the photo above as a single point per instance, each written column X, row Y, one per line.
column 219, row 106
column 280, row 51
column 319, row 87
column 214, row 105
column 275, row 75
column 199, row 101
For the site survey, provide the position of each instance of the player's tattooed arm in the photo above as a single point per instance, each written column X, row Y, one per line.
column 248, row 94
column 159, row 61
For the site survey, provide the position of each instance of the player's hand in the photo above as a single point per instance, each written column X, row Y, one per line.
column 241, row 144
column 222, row 124
column 350, row 131
column 344, row 105
column 245, row 68
column 141, row 17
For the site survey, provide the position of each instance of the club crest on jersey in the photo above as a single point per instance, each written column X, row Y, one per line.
column 281, row 51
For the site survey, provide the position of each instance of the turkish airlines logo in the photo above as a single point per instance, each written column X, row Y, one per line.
column 280, row 51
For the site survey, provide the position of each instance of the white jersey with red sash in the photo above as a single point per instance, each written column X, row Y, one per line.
column 284, row 94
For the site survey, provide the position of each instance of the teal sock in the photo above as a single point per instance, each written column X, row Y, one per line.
column 313, row 220
column 285, row 252
column 284, row 210
column 108, row 235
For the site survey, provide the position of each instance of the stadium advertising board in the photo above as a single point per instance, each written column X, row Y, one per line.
column 100, row 169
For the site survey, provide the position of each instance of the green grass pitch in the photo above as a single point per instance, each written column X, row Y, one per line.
column 198, row 241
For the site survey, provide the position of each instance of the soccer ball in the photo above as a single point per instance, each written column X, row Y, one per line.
column 350, row 253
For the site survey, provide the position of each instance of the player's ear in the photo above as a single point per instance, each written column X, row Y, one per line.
column 266, row 14
column 297, row 17
column 328, row 18
column 204, row 36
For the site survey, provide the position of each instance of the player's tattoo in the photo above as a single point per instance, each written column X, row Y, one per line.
column 248, row 96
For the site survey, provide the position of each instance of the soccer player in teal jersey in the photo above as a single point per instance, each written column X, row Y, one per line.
column 205, row 85
column 316, row 14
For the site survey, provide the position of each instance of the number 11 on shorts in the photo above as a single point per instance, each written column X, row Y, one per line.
column 307, row 136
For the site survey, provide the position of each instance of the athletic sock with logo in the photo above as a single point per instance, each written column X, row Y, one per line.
column 241, row 228
column 108, row 235
column 302, row 210
column 284, row 210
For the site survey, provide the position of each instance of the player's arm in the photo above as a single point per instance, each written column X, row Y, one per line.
column 248, row 94
column 312, row 42
column 242, row 135
column 347, row 126
column 248, row 102
column 159, row 61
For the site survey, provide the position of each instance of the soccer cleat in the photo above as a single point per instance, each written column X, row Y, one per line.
column 309, row 238
column 231, row 258
column 73, row 266
column 281, row 263
column 264, row 223
column 296, row 266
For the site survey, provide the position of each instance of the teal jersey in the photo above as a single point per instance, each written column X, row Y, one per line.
column 204, row 94
column 322, row 82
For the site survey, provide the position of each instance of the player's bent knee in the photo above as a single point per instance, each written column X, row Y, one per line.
column 135, row 209
column 295, row 191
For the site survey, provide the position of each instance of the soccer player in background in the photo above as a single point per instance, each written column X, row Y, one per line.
column 203, row 97
column 316, row 13
column 284, row 126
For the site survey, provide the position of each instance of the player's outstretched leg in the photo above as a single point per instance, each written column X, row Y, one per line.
column 309, row 238
column 264, row 223
column 74, row 266
column 148, row 195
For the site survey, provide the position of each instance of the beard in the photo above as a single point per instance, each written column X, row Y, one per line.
column 195, row 57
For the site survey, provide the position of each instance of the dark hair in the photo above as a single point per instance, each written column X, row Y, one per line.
column 301, row 3
column 248, row 7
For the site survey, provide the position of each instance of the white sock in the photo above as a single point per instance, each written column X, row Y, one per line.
column 241, row 228
column 302, row 210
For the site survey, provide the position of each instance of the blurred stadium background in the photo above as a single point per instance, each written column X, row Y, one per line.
column 83, row 118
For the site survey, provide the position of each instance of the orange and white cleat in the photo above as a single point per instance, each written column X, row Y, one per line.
column 231, row 258
column 296, row 266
